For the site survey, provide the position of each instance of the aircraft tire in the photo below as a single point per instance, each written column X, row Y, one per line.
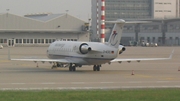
column 70, row 68
column 94, row 68
column 98, row 68
column 73, row 68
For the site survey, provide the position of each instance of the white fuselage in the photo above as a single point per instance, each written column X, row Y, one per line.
column 98, row 53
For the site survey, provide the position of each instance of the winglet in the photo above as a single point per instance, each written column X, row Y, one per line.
column 171, row 55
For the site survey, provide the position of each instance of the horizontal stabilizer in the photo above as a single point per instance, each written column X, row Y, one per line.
column 138, row 22
column 119, row 21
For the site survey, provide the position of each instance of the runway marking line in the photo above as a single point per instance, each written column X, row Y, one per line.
column 91, row 88
column 18, row 83
column 107, row 82
column 76, row 83
column 50, row 83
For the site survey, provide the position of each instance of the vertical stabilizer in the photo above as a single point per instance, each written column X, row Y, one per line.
column 116, row 33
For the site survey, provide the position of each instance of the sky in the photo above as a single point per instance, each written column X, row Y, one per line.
column 77, row 8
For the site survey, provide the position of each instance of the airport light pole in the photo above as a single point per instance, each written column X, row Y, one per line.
column 7, row 10
column 67, row 12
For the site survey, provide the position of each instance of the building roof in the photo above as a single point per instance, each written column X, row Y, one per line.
column 44, row 17
column 40, row 21
column 41, row 30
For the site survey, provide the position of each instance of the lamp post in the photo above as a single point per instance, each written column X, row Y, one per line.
column 7, row 10
column 67, row 12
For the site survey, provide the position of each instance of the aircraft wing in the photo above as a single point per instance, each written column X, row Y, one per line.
column 39, row 60
column 142, row 59
column 43, row 60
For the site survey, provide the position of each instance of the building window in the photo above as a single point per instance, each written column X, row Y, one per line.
column 47, row 41
column 28, row 41
column 24, row 41
column 5, row 40
column 35, row 41
column 20, row 40
column 39, row 40
column 42, row 41
column 148, row 39
column 31, row 41
column 1, row 40
column 50, row 41
column 17, row 40
column 53, row 40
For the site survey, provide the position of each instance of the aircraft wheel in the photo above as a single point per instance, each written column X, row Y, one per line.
column 57, row 64
column 94, row 68
column 98, row 68
column 74, row 68
column 70, row 67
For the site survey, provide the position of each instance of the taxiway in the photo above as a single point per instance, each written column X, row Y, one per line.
column 18, row 75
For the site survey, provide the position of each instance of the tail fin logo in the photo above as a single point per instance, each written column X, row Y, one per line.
column 114, row 39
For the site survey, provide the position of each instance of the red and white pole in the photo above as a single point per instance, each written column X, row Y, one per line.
column 97, row 17
column 102, row 21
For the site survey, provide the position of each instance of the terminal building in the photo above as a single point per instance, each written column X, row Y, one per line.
column 164, row 14
column 41, row 29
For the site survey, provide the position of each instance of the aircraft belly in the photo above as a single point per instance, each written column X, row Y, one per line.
column 81, row 60
column 87, row 61
column 55, row 57
column 96, row 62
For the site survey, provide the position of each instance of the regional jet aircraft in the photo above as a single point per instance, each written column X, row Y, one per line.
column 77, row 54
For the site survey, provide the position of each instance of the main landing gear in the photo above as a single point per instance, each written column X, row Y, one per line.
column 96, row 67
column 72, row 67
column 54, row 65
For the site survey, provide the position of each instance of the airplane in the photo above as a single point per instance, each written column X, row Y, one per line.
column 76, row 54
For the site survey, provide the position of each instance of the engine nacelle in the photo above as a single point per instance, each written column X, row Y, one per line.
column 84, row 48
column 121, row 49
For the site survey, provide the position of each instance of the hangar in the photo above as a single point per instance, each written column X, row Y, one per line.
column 41, row 29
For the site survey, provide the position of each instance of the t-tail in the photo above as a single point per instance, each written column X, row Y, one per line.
column 116, row 33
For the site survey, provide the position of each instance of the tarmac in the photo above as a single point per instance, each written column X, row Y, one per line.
column 18, row 75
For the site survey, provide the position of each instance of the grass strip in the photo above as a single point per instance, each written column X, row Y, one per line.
column 92, row 95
